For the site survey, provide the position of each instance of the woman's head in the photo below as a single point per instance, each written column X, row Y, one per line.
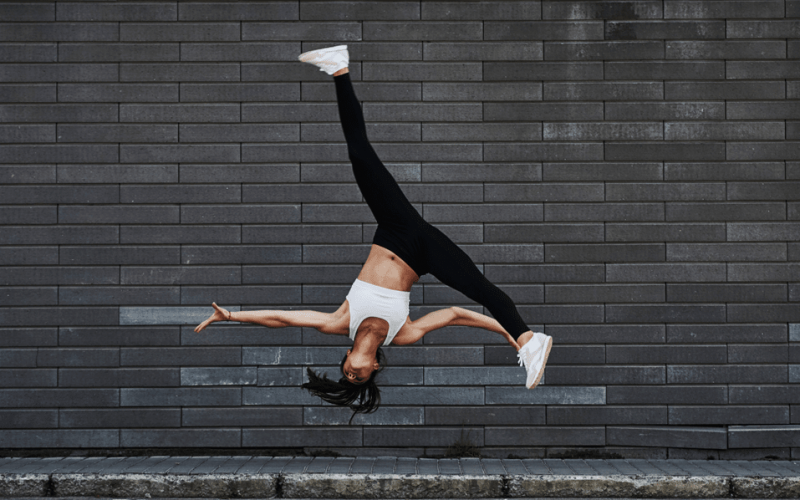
column 347, row 390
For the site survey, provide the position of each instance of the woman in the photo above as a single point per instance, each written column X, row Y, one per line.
column 404, row 248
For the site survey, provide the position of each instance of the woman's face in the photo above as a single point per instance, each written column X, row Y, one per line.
column 357, row 368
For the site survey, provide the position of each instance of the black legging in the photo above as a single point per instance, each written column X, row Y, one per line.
column 402, row 229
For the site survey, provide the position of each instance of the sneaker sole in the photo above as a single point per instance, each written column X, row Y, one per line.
column 544, row 363
column 306, row 55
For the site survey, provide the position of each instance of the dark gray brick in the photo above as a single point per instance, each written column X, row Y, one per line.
column 697, row 110
column 27, row 174
column 27, row 133
column 58, row 316
column 773, row 150
column 245, row 417
column 421, row 436
column 544, row 111
column 341, row 416
column 765, row 353
column 724, row 90
column 604, row 212
column 727, row 374
column 59, row 276
column 726, row 212
column 179, row 32
column 78, row 357
column 543, row 30
column 28, row 419
column 584, row 375
column 482, row 51
column 92, row 52
column 247, row 11
column 664, row 232
column 608, row 334
column 785, row 190
column 730, row 130
column 763, row 272
column 726, row 333
column 305, row 31
column 476, row 415
column 423, row 30
column 49, row 398
column 474, row 376
column 118, row 295
column 118, row 133
column 645, row 9
column 120, row 377
column 240, row 254
column 117, row 12
column 270, row 377
column 345, row 11
column 111, row 255
column 239, row 214
column 116, row 92
column 603, row 131
column 21, row 337
column 218, row 376
column 120, row 418
column 28, row 12
column 27, row 378
column 683, row 437
column 118, row 214
column 177, row 356
column 664, row 30
column 239, row 295
column 606, row 415
column 230, row 91
column 611, row 50
column 179, row 234
column 764, row 394
column 765, row 231
column 119, row 336
column 742, row 313
column 726, row 293
column 726, row 251
column 16, row 235
column 704, row 415
column 43, row 92
column 18, row 357
column 688, row 9
column 89, row 174
column 288, row 437
column 728, row 50
column 486, row 132
column 546, row 395
column 29, row 296
column 60, row 438
column 58, row 72
column 542, row 71
column 666, row 354
column 760, row 110
column 533, row 436
column 612, row 252
column 674, row 394
column 179, row 153
column 206, row 396
column 635, row 313
column 180, row 438
column 60, row 194
column 666, row 272
column 239, row 173
column 60, row 32
column 604, row 293
column 186, row 275
column 481, row 11
column 673, row 151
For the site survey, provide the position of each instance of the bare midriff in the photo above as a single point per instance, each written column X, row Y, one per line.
column 385, row 268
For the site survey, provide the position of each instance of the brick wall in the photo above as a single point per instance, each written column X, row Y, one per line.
column 628, row 172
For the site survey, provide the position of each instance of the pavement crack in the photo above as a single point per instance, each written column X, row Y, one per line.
column 279, row 486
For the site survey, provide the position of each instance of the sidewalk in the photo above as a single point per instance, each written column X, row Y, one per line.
column 391, row 477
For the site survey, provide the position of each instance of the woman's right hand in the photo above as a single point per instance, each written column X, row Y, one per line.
column 220, row 314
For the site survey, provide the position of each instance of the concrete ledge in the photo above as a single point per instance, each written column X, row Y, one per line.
column 643, row 486
column 166, row 485
column 391, row 486
column 765, row 487
column 24, row 485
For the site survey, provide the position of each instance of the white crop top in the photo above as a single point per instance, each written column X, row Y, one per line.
column 372, row 301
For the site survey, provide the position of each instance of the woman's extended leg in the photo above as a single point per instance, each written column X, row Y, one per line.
column 453, row 267
column 388, row 203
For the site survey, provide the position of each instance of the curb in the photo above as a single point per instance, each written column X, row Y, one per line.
column 375, row 486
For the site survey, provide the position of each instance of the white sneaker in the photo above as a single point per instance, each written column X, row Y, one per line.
column 533, row 357
column 330, row 59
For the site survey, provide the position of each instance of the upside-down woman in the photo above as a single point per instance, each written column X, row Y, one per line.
column 405, row 247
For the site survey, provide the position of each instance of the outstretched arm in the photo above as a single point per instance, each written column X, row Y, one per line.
column 270, row 318
column 466, row 317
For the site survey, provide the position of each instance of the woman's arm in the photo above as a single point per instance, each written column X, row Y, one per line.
column 466, row 317
column 270, row 318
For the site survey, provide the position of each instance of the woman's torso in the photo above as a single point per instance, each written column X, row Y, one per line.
column 382, row 268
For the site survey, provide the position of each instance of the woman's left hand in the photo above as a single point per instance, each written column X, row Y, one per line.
column 220, row 314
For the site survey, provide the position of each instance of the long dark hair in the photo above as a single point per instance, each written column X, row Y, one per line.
column 344, row 392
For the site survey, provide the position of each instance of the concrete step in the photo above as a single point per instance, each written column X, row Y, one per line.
column 393, row 477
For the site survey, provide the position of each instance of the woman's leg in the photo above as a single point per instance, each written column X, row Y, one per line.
column 388, row 203
column 453, row 267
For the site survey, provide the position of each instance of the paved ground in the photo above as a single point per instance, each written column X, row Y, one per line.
column 394, row 477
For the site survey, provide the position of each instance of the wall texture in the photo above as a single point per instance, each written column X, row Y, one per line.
column 628, row 172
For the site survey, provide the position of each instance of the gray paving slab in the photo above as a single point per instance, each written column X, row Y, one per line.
column 493, row 466
column 232, row 465
column 472, row 466
column 163, row 466
column 319, row 465
column 600, row 467
column 427, row 466
column 297, row 465
column 340, row 465
column 105, row 463
column 362, row 465
column 120, row 466
column 10, row 467
column 187, row 465
column 384, row 465
column 145, row 465
column 767, row 466
column 34, row 466
column 254, row 465
column 624, row 467
column 449, row 467
column 645, row 466
column 792, row 466
column 276, row 465
column 579, row 467
column 690, row 469
column 557, row 466
column 90, row 465
column 405, row 465
column 711, row 467
column 779, row 467
column 535, row 466
column 514, row 466
column 667, row 468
